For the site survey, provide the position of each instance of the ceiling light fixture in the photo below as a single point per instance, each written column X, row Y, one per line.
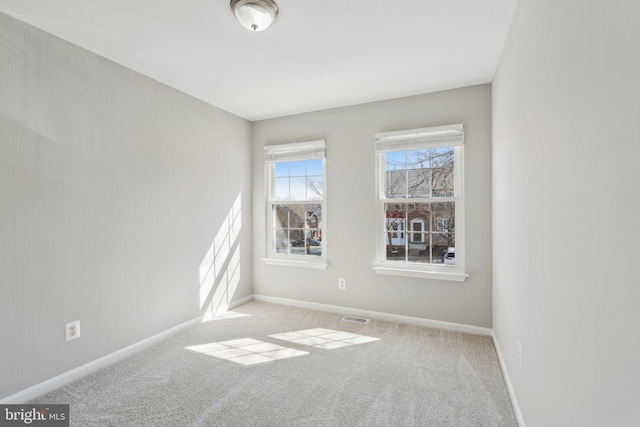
column 255, row 15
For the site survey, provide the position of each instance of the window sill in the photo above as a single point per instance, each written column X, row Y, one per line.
column 453, row 276
column 318, row 265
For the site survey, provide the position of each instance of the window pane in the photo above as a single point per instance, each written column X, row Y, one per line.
column 281, row 241
column 421, row 209
column 419, row 183
column 296, row 216
column 396, row 174
column 313, row 231
column 396, row 184
column 396, row 160
column 418, row 159
column 297, row 241
column 419, row 219
column 443, row 248
column 442, row 172
column 394, row 252
column 395, row 216
column 296, row 237
column 298, row 168
column 314, row 167
column 281, row 169
column 314, row 187
column 418, row 247
column 298, row 189
column 297, row 181
column 420, row 216
column 281, row 216
column 314, row 247
column 420, row 232
column 444, row 217
column 281, row 189
column 313, row 219
column 416, row 237
column 443, row 182
column 442, row 157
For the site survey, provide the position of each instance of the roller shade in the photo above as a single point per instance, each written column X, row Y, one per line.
column 437, row 136
column 295, row 151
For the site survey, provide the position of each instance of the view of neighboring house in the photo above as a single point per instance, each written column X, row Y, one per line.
column 420, row 229
column 419, row 213
column 299, row 229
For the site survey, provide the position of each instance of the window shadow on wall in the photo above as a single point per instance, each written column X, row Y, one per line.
column 219, row 270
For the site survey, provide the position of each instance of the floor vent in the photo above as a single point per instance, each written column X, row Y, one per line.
column 355, row 319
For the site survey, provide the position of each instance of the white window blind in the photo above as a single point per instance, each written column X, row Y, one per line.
column 431, row 137
column 295, row 151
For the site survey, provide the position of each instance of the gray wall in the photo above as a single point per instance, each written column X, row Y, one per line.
column 112, row 189
column 350, row 217
column 566, row 102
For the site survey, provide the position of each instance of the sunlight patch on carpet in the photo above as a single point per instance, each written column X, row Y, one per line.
column 327, row 339
column 246, row 351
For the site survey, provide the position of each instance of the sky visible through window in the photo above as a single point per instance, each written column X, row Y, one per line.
column 297, row 181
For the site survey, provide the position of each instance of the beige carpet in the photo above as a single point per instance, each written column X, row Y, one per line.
column 272, row 365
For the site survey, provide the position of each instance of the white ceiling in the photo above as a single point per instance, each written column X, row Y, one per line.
column 319, row 53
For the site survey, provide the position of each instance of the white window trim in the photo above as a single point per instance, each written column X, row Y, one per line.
column 291, row 152
column 392, row 269
column 440, row 136
column 303, row 263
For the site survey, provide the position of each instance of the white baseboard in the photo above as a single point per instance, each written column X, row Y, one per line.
column 239, row 302
column 507, row 380
column 79, row 372
column 438, row 324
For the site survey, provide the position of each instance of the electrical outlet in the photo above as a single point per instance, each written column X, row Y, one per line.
column 342, row 283
column 72, row 330
column 519, row 354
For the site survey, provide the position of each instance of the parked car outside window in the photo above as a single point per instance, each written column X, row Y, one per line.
column 450, row 256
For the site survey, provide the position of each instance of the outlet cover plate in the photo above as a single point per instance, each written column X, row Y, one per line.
column 72, row 330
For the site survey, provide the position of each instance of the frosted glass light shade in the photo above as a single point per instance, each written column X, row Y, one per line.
column 255, row 15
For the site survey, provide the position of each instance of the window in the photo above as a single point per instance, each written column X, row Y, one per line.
column 420, row 191
column 295, row 208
